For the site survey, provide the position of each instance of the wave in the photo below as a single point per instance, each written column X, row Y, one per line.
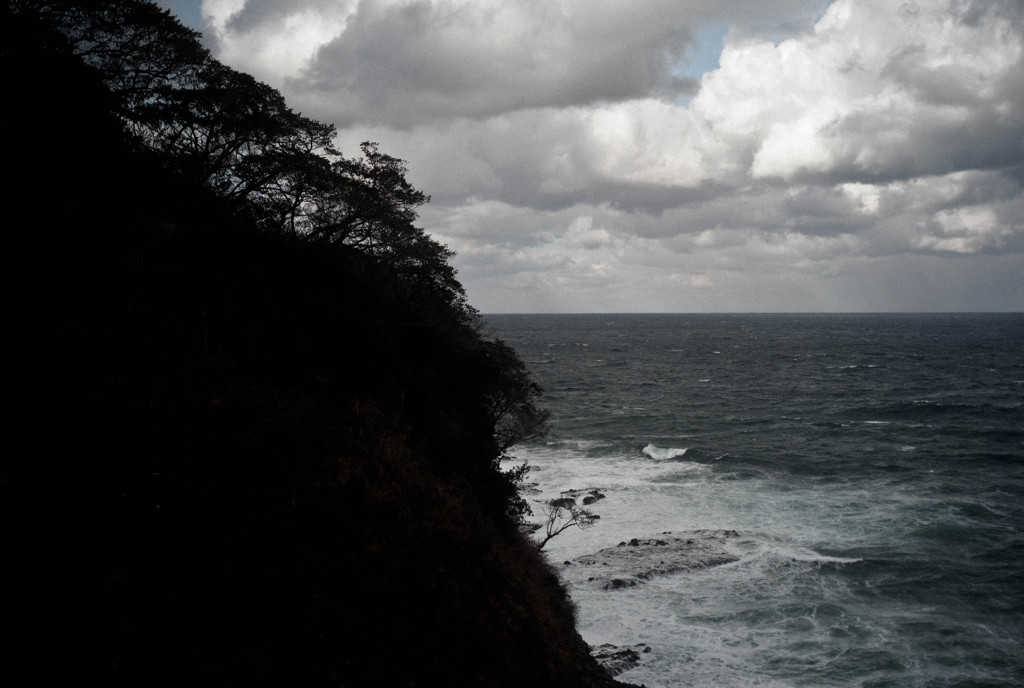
column 808, row 556
column 663, row 453
column 581, row 445
column 825, row 559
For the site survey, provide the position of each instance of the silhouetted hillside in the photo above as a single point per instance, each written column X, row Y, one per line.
column 247, row 451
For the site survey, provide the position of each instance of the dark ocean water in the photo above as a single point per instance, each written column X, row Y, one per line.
column 872, row 464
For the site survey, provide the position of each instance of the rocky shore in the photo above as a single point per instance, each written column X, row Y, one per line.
column 638, row 560
column 615, row 659
column 634, row 562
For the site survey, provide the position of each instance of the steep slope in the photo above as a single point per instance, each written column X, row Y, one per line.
column 242, row 456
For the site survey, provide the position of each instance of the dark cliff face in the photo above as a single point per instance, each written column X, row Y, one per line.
column 245, row 457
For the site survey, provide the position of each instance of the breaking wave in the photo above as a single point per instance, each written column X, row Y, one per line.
column 663, row 453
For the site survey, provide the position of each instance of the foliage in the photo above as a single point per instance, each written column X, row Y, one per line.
column 209, row 123
column 242, row 436
column 218, row 127
column 213, row 126
column 510, row 402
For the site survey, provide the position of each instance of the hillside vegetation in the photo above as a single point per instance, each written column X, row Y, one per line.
column 258, row 430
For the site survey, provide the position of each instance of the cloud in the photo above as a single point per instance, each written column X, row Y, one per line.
column 273, row 40
column 874, row 93
column 415, row 62
column 407, row 62
column 575, row 163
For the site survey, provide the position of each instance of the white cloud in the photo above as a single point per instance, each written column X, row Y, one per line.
column 875, row 91
column 833, row 143
column 408, row 61
column 583, row 234
column 962, row 230
column 274, row 41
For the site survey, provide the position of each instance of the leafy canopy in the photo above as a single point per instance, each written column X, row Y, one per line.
column 221, row 128
column 212, row 126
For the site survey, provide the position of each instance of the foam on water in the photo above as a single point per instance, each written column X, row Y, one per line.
column 870, row 465
column 663, row 453
column 786, row 614
column 728, row 626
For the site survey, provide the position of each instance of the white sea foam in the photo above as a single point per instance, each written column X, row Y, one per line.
column 663, row 453
column 725, row 625
column 580, row 444
column 799, row 607
column 808, row 556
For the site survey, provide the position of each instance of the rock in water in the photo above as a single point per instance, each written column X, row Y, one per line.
column 616, row 659
column 638, row 560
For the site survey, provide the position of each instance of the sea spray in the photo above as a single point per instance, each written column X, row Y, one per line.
column 870, row 466
column 663, row 453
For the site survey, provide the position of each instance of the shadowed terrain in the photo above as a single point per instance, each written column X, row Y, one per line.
column 255, row 441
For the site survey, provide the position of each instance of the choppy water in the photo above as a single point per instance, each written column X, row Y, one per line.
column 873, row 465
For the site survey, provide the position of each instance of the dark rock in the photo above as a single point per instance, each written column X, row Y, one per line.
column 626, row 566
column 590, row 493
column 605, row 663
column 616, row 660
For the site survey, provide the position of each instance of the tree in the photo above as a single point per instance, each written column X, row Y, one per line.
column 211, row 126
column 562, row 513
column 243, row 396
column 221, row 128
column 512, row 396
column 371, row 206
column 237, row 136
column 205, row 121
column 134, row 46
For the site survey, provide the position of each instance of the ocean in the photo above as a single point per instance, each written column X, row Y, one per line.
column 872, row 467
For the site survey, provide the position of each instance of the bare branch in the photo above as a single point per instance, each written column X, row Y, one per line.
column 563, row 513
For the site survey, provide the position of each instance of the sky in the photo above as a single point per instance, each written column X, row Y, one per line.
column 678, row 155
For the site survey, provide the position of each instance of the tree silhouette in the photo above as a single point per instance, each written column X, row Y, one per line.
column 511, row 401
column 215, row 126
column 563, row 513
column 241, row 438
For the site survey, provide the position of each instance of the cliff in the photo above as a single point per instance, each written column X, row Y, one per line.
column 245, row 456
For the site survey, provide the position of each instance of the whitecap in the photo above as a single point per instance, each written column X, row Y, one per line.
column 825, row 559
column 809, row 556
column 581, row 444
column 663, row 453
